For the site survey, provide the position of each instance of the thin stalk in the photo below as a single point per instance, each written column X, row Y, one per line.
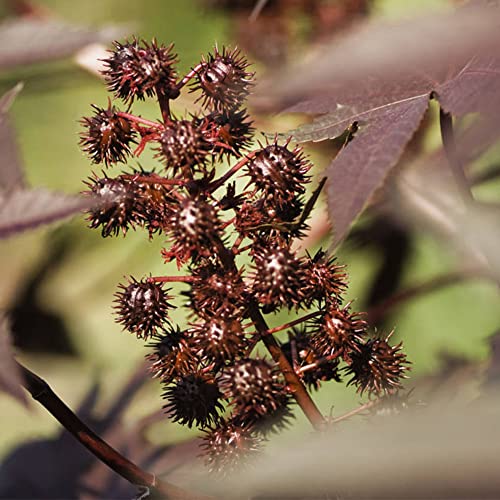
column 190, row 75
column 450, row 148
column 222, row 180
column 41, row 392
column 356, row 411
column 138, row 119
column 154, row 179
column 297, row 388
column 172, row 279
column 164, row 102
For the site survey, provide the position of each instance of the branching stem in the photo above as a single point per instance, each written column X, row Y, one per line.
column 138, row 119
column 41, row 392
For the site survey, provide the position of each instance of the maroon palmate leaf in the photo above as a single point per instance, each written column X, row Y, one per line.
column 28, row 41
column 11, row 174
column 10, row 377
column 27, row 209
column 388, row 102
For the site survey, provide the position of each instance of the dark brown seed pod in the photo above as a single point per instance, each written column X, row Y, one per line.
column 338, row 333
column 377, row 367
column 137, row 69
column 277, row 419
column 142, row 307
column 183, row 146
column 172, row 355
column 216, row 292
column 224, row 80
column 279, row 173
column 229, row 132
column 218, row 339
column 252, row 386
column 325, row 280
column 193, row 399
column 107, row 137
column 194, row 228
column 115, row 210
column 229, row 446
column 277, row 279
column 302, row 354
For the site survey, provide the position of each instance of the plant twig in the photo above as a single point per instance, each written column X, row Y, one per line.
column 377, row 312
column 297, row 388
column 41, row 392
column 356, row 411
column 450, row 148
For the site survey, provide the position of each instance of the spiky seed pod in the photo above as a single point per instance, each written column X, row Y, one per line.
column 116, row 210
column 216, row 292
column 218, row 339
column 277, row 279
column 184, row 146
column 262, row 219
column 279, row 172
column 107, row 137
column 193, row 399
column 377, row 367
column 338, row 333
column 274, row 421
column 326, row 281
column 253, row 386
column 301, row 352
column 142, row 307
column 194, row 227
column 137, row 69
column 230, row 132
column 223, row 79
column 228, row 446
column 172, row 355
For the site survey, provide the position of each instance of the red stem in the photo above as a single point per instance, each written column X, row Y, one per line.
column 138, row 119
column 172, row 279
column 222, row 180
column 190, row 75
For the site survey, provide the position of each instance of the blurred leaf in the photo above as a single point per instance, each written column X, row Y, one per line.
column 28, row 41
column 10, row 377
column 27, row 209
column 11, row 173
column 378, row 58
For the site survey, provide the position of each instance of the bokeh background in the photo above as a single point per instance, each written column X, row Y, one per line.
column 59, row 282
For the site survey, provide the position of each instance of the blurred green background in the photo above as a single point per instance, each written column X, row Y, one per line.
column 78, row 285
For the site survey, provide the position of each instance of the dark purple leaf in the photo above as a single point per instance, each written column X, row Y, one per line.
column 10, row 377
column 361, row 167
column 27, row 209
column 28, row 41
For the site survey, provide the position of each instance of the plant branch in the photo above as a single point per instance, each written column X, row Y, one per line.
column 377, row 312
column 356, row 411
column 294, row 383
column 450, row 148
column 41, row 392
column 138, row 119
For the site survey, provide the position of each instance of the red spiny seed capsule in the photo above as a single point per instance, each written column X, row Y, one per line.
column 230, row 132
column 326, row 281
column 194, row 227
column 172, row 355
column 377, row 367
column 142, row 307
column 218, row 339
column 224, row 80
column 138, row 69
column 302, row 354
column 228, row 446
column 217, row 292
column 279, row 172
column 338, row 332
column 183, row 146
column 116, row 208
column 107, row 137
column 193, row 399
column 252, row 385
column 277, row 279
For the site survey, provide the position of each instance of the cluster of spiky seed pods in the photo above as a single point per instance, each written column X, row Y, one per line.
column 210, row 377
